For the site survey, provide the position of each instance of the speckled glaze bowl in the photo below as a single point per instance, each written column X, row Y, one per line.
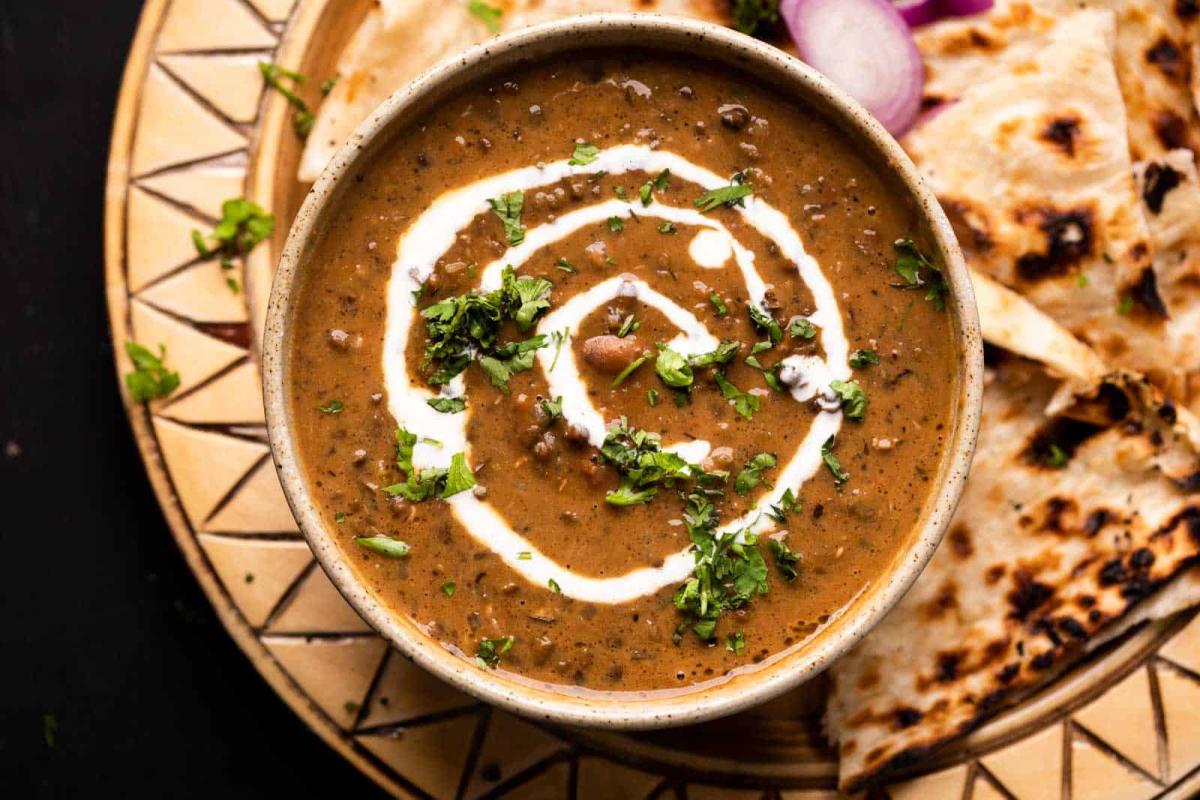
column 688, row 39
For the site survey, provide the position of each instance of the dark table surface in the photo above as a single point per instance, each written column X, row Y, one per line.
column 104, row 630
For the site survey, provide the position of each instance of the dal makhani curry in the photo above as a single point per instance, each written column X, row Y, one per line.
column 622, row 374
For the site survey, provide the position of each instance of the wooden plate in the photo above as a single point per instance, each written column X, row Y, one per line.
column 194, row 127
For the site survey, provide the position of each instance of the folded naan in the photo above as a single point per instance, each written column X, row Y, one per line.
column 399, row 39
column 1068, row 522
column 1031, row 159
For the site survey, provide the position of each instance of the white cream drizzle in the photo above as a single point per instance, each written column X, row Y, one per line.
column 434, row 232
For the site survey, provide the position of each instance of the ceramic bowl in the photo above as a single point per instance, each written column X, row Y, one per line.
column 688, row 39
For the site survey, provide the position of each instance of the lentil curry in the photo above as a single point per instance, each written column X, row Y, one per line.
column 621, row 374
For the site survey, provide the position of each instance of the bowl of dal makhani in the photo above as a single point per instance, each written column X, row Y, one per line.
column 622, row 372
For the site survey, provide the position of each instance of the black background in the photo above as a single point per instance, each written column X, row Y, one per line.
column 103, row 626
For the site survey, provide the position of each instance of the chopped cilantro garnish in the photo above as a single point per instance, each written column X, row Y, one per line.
column 728, row 196
column 510, row 359
column 735, row 643
column 524, row 555
column 384, row 545
column 744, row 403
column 628, row 326
column 447, row 405
column 619, row 191
column 488, row 14
column 785, row 558
column 328, row 84
column 584, row 154
column 831, row 461
column 786, row 505
column 718, row 304
column 629, row 370
column 1081, row 281
column 560, row 338
column 487, row 655
column 565, row 266
column 150, row 379
column 801, row 328
column 673, row 368
column 752, row 17
column 752, row 473
column 864, row 358
column 724, row 353
column 652, row 397
column 917, row 272
column 1125, row 306
column 643, row 465
column 552, row 409
column 302, row 118
column 339, row 517
column 668, row 229
column 765, row 323
column 508, row 208
column 332, row 407
column 525, row 297
column 626, row 495
column 1056, row 457
column 616, row 224
column 554, row 587
column 424, row 484
column 660, row 182
column 854, row 399
column 448, row 588
column 243, row 226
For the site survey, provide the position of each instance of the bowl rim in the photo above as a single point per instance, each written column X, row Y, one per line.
column 669, row 35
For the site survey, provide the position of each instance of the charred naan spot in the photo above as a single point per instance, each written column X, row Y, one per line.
column 1142, row 558
column 960, row 542
column 982, row 40
column 1113, row 572
column 1095, row 616
column 1189, row 483
column 1085, row 601
column 869, row 680
column 1171, row 130
column 1047, row 627
column 1167, row 413
column 1027, row 595
column 1191, row 518
column 1113, row 402
column 970, row 225
column 1187, row 9
column 931, row 101
column 907, row 716
column 1008, row 672
column 1158, row 180
column 1136, row 588
column 1145, row 292
column 995, row 573
column 944, row 601
column 1095, row 521
column 1072, row 627
column 1057, row 441
column 1062, row 133
column 995, row 650
column 1042, row 661
column 1056, row 509
column 947, row 665
column 848, row 746
column 1167, row 56
column 1069, row 239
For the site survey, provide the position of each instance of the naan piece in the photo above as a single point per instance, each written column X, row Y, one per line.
column 1032, row 163
column 1068, row 521
column 402, row 38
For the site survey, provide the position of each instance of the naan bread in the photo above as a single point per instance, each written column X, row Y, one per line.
column 402, row 38
column 1031, row 161
column 1037, row 561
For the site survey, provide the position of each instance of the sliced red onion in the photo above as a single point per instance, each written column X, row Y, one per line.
column 864, row 47
column 919, row 12
column 963, row 8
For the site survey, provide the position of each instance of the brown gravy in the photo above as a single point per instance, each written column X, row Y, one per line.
column 543, row 477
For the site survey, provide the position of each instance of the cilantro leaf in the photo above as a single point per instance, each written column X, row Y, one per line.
column 500, row 368
column 854, row 399
column 459, row 478
column 584, row 154
column 728, row 196
column 765, row 323
column 668, row 229
column 917, row 271
column 752, row 17
column 384, row 545
column 736, row 643
column 743, row 402
column 487, row 654
column 448, row 588
column 627, row 495
column 801, row 328
column 629, row 370
column 447, row 405
column 673, row 368
column 243, row 226
column 150, row 379
column 508, row 208
column 628, row 326
column 724, row 353
column 302, row 117
column 332, row 407
column 524, row 297
column 552, row 409
column 831, row 462
column 864, row 358
column 785, row 558
column 616, row 224
column 488, row 14
column 718, row 304
column 786, row 505
column 752, row 472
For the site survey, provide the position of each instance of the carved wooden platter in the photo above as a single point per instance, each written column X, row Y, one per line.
column 195, row 126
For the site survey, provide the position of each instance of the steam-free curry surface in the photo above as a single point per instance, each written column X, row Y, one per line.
column 547, row 481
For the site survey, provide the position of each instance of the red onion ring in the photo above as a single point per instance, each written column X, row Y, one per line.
column 963, row 8
column 865, row 47
column 919, row 12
